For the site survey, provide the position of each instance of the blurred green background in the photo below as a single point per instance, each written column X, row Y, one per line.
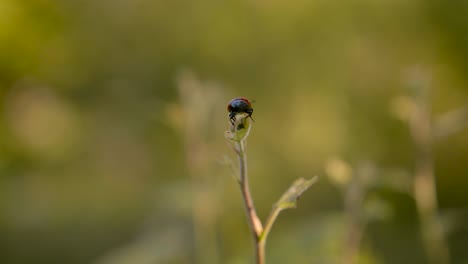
column 112, row 120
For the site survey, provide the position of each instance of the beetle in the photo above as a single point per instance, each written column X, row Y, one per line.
column 239, row 105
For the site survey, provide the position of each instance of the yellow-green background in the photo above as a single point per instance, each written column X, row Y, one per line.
column 112, row 119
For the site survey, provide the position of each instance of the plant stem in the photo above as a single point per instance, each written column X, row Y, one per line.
column 425, row 192
column 255, row 224
column 354, row 195
column 238, row 133
column 268, row 225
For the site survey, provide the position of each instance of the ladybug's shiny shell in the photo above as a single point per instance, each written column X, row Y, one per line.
column 239, row 105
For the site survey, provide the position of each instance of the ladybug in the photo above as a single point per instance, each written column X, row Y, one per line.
column 237, row 106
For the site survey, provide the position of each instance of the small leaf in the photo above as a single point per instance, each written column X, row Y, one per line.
column 240, row 129
column 289, row 198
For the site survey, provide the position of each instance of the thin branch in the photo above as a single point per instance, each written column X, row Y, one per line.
column 269, row 224
column 238, row 132
column 252, row 218
column 354, row 196
column 425, row 192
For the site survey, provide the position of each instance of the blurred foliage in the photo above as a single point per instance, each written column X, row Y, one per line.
column 105, row 157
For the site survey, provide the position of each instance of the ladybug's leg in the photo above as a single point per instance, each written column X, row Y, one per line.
column 250, row 112
column 232, row 117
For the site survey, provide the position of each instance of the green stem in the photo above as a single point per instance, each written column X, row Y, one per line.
column 269, row 224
